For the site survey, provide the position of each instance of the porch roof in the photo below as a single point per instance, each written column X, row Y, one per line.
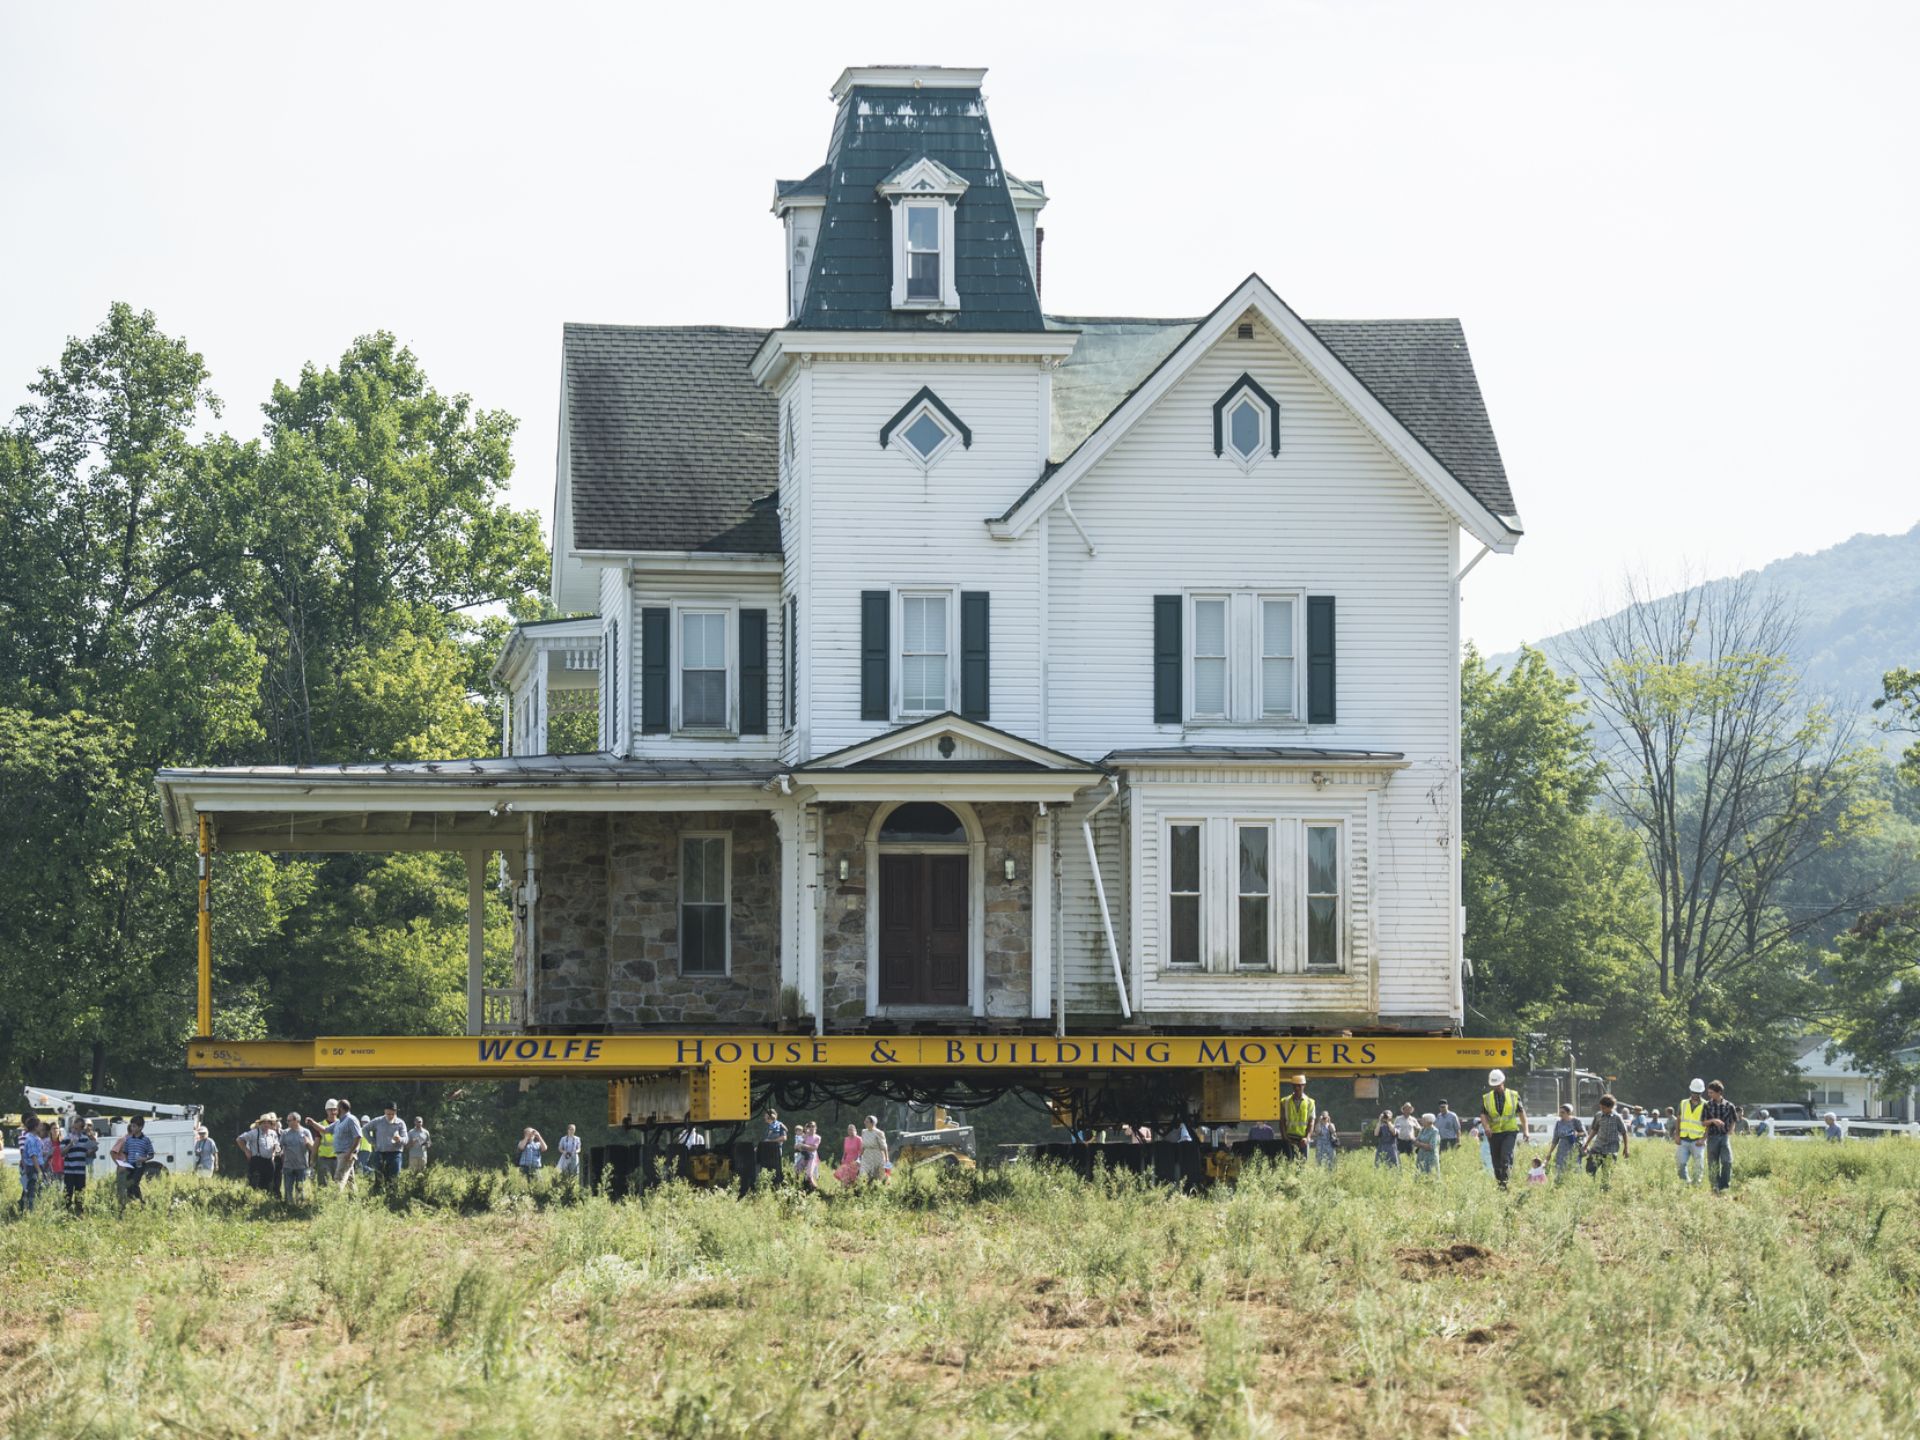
column 440, row 804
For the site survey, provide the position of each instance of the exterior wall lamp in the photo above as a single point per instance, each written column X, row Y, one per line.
column 1009, row 867
column 843, row 869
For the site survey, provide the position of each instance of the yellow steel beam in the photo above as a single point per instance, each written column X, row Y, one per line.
column 515, row 1056
column 203, row 1012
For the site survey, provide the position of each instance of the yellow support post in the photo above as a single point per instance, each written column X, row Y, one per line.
column 204, row 1010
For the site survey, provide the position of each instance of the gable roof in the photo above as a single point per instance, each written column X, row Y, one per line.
column 877, row 129
column 670, row 445
column 1410, row 381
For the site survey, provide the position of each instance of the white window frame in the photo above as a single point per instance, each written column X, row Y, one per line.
column 1246, row 648
column 1167, row 827
column 899, row 443
column 1263, row 442
column 1194, row 601
column 1236, row 825
column 726, row 902
column 949, row 297
column 1343, row 859
column 897, row 661
column 729, row 626
column 1296, row 604
column 1287, row 910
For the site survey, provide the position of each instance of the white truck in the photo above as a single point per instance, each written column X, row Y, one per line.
column 170, row 1127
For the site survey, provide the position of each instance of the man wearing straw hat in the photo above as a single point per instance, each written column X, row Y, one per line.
column 260, row 1142
column 1296, row 1119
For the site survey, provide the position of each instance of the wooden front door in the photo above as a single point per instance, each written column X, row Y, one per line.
column 923, row 929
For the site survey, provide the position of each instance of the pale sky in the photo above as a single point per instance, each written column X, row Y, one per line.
column 1682, row 237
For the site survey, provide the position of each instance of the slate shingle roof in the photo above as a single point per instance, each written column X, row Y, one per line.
column 674, row 447
column 671, row 444
column 876, row 130
column 1419, row 369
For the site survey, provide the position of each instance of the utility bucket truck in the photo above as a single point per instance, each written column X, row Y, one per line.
column 170, row 1127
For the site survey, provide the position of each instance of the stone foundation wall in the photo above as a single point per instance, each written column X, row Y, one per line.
column 609, row 920
column 570, row 976
column 645, row 985
column 1008, row 828
column 1008, row 831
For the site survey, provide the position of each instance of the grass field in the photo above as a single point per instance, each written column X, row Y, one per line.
column 1025, row 1303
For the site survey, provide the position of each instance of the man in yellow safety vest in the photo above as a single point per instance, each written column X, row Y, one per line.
column 1505, row 1117
column 1691, row 1151
column 323, row 1151
column 1296, row 1119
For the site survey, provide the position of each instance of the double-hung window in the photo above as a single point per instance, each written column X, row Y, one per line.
column 1323, row 950
column 703, row 905
column 1242, row 657
column 1246, row 893
column 1185, row 898
column 926, row 652
column 923, row 252
column 1253, row 901
column 703, row 670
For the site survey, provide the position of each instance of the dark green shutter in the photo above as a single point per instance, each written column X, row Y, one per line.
column 656, row 669
column 876, row 607
column 1166, row 659
column 753, row 672
column 1320, row 708
column 976, row 671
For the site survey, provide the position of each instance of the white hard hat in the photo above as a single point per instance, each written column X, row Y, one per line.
column 1698, row 1087
column 1496, row 1077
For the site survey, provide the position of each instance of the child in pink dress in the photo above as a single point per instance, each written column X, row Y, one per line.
column 806, row 1154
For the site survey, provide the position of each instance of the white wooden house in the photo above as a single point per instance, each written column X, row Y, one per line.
column 960, row 664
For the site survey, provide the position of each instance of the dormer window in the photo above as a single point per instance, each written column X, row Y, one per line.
column 924, row 253
column 923, row 194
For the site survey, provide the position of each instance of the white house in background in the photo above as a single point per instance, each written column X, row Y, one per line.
column 1840, row 1085
column 958, row 663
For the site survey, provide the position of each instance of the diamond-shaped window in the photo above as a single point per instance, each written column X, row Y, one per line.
column 925, row 435
column 1243, row 429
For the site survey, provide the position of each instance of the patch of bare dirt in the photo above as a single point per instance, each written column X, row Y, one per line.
column 1462, row 1257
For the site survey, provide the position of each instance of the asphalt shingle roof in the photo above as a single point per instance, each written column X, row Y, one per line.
column 1419, row 369
column 674, row 447
column 875, row 131
column 670, row 442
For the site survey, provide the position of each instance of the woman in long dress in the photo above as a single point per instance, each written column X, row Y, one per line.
column 873, row 1151
column 806, row 1155
column 850, row 1148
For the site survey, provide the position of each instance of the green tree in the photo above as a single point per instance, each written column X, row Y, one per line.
column 1559, row 915
column 382, row 540
column 1732, row 782
column 179, row 598
column 1900, row 690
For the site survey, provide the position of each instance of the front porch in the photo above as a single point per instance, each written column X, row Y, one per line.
column 903, row 885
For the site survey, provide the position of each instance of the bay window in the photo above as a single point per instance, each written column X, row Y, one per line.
column 1253, row 894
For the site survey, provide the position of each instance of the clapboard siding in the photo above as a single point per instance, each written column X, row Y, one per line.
column 1080, row 944
column 1334, row 513
column 879, row 522
column 760, row 591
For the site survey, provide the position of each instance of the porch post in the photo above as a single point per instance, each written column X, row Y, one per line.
column 1040, row 941
column 476, row 940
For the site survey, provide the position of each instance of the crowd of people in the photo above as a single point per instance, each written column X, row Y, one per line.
column 286, row 1155
column 864, row 1154
column 53, row 1156
column 1702, row 1127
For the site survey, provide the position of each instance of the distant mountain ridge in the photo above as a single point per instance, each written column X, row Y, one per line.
column 1859, row 604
